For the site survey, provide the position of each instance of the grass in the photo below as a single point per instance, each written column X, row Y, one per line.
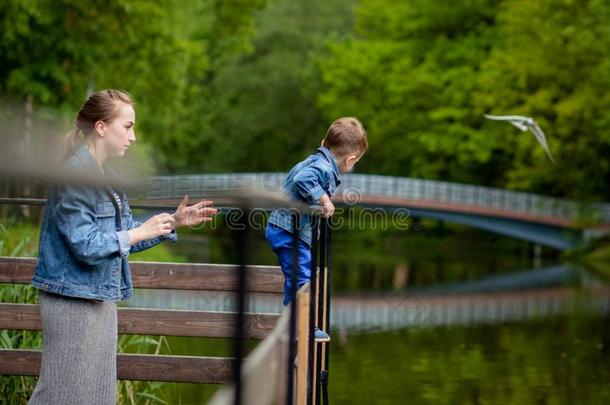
column 18, row 239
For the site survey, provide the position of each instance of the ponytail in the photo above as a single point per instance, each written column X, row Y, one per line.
column 71, row 141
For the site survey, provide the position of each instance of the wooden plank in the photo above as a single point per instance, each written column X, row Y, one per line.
column 303, row 297
column 176, row 276
column 18, row 270
column 139, row 321
column 208, row 277
column 209, row 370
column 264, row 372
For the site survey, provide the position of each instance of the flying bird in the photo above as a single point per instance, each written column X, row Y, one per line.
column 525, row 123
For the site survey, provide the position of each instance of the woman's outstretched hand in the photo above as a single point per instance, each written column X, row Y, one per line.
column 193, row 214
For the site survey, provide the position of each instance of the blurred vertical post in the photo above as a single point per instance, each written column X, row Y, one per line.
column 324, row 377
column 242, row 252
column 321, row 322
column 311, row 383
column 293, row 308
column 27, row 150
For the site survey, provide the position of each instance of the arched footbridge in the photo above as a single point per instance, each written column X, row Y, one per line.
column 548, row 221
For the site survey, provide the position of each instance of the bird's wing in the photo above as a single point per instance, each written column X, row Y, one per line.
column 517, row 120
column 542, row 140
column 520, row 125
column 507, row 117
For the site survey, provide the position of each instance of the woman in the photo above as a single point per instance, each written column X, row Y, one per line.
column 82, row 269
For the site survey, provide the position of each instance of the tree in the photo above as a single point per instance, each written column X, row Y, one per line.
column 259, row 111
column 551, row 61
column 421, row 75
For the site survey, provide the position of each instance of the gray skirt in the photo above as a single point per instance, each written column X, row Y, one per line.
column 79, row 345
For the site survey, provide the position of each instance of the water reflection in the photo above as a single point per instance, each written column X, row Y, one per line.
column 530, row 294
column 551, row 276
column 441, row 317
column 557, row 360
column 452, row 344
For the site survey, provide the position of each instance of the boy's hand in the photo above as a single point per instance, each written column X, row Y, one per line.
column 328, row 208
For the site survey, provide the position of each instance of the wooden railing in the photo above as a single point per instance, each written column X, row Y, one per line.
column 15, row 316
column 265, row 378
column 265, row 374
column 287, row 367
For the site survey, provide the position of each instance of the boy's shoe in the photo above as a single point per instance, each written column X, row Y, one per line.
column 319, row 336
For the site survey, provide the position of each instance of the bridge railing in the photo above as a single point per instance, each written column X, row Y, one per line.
column 400, row 188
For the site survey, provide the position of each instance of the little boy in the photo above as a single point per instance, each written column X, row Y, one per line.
column 313, row 182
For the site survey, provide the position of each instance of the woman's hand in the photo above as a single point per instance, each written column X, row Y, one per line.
column 194, row 214
column 161, row 224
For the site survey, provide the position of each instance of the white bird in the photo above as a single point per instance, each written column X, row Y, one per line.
column 525, row 123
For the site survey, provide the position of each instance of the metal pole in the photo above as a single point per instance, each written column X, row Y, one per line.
column 242, row 253
column 293, row 309
column 312, row 308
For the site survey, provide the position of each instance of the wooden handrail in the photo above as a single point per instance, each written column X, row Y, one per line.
column 303, row 301
column 138, row 321
column 191, row 369
column 175, row 276
column 263, row 373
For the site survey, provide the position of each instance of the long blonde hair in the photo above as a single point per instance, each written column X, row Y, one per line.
column 99, row 106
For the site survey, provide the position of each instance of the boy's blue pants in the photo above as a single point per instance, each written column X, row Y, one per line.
column 281, row 242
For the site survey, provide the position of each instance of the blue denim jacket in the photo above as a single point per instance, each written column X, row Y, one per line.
column 306, row 182
column 84, row 244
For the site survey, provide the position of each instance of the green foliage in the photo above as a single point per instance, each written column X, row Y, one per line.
column 216, row 80
column 262, row 97
column 421, row 74
column 551, row 61
column 56, row 51
column 409, row 73
column 18, row 239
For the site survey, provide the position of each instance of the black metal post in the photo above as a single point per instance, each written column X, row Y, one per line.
column 242, row 256
column 312, row 306
column 293, row 308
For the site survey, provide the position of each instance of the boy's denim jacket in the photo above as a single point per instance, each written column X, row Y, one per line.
column 84, row 243
column 307, row 182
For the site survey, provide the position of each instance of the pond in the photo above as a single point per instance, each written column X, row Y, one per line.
column 466, row 318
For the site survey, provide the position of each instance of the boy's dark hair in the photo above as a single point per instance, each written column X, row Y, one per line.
column 346, row 135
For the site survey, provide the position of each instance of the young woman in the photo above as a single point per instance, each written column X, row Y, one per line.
column 82, row 268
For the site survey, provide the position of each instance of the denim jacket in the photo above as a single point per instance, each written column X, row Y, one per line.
column 84, row 244
column 307, row 182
